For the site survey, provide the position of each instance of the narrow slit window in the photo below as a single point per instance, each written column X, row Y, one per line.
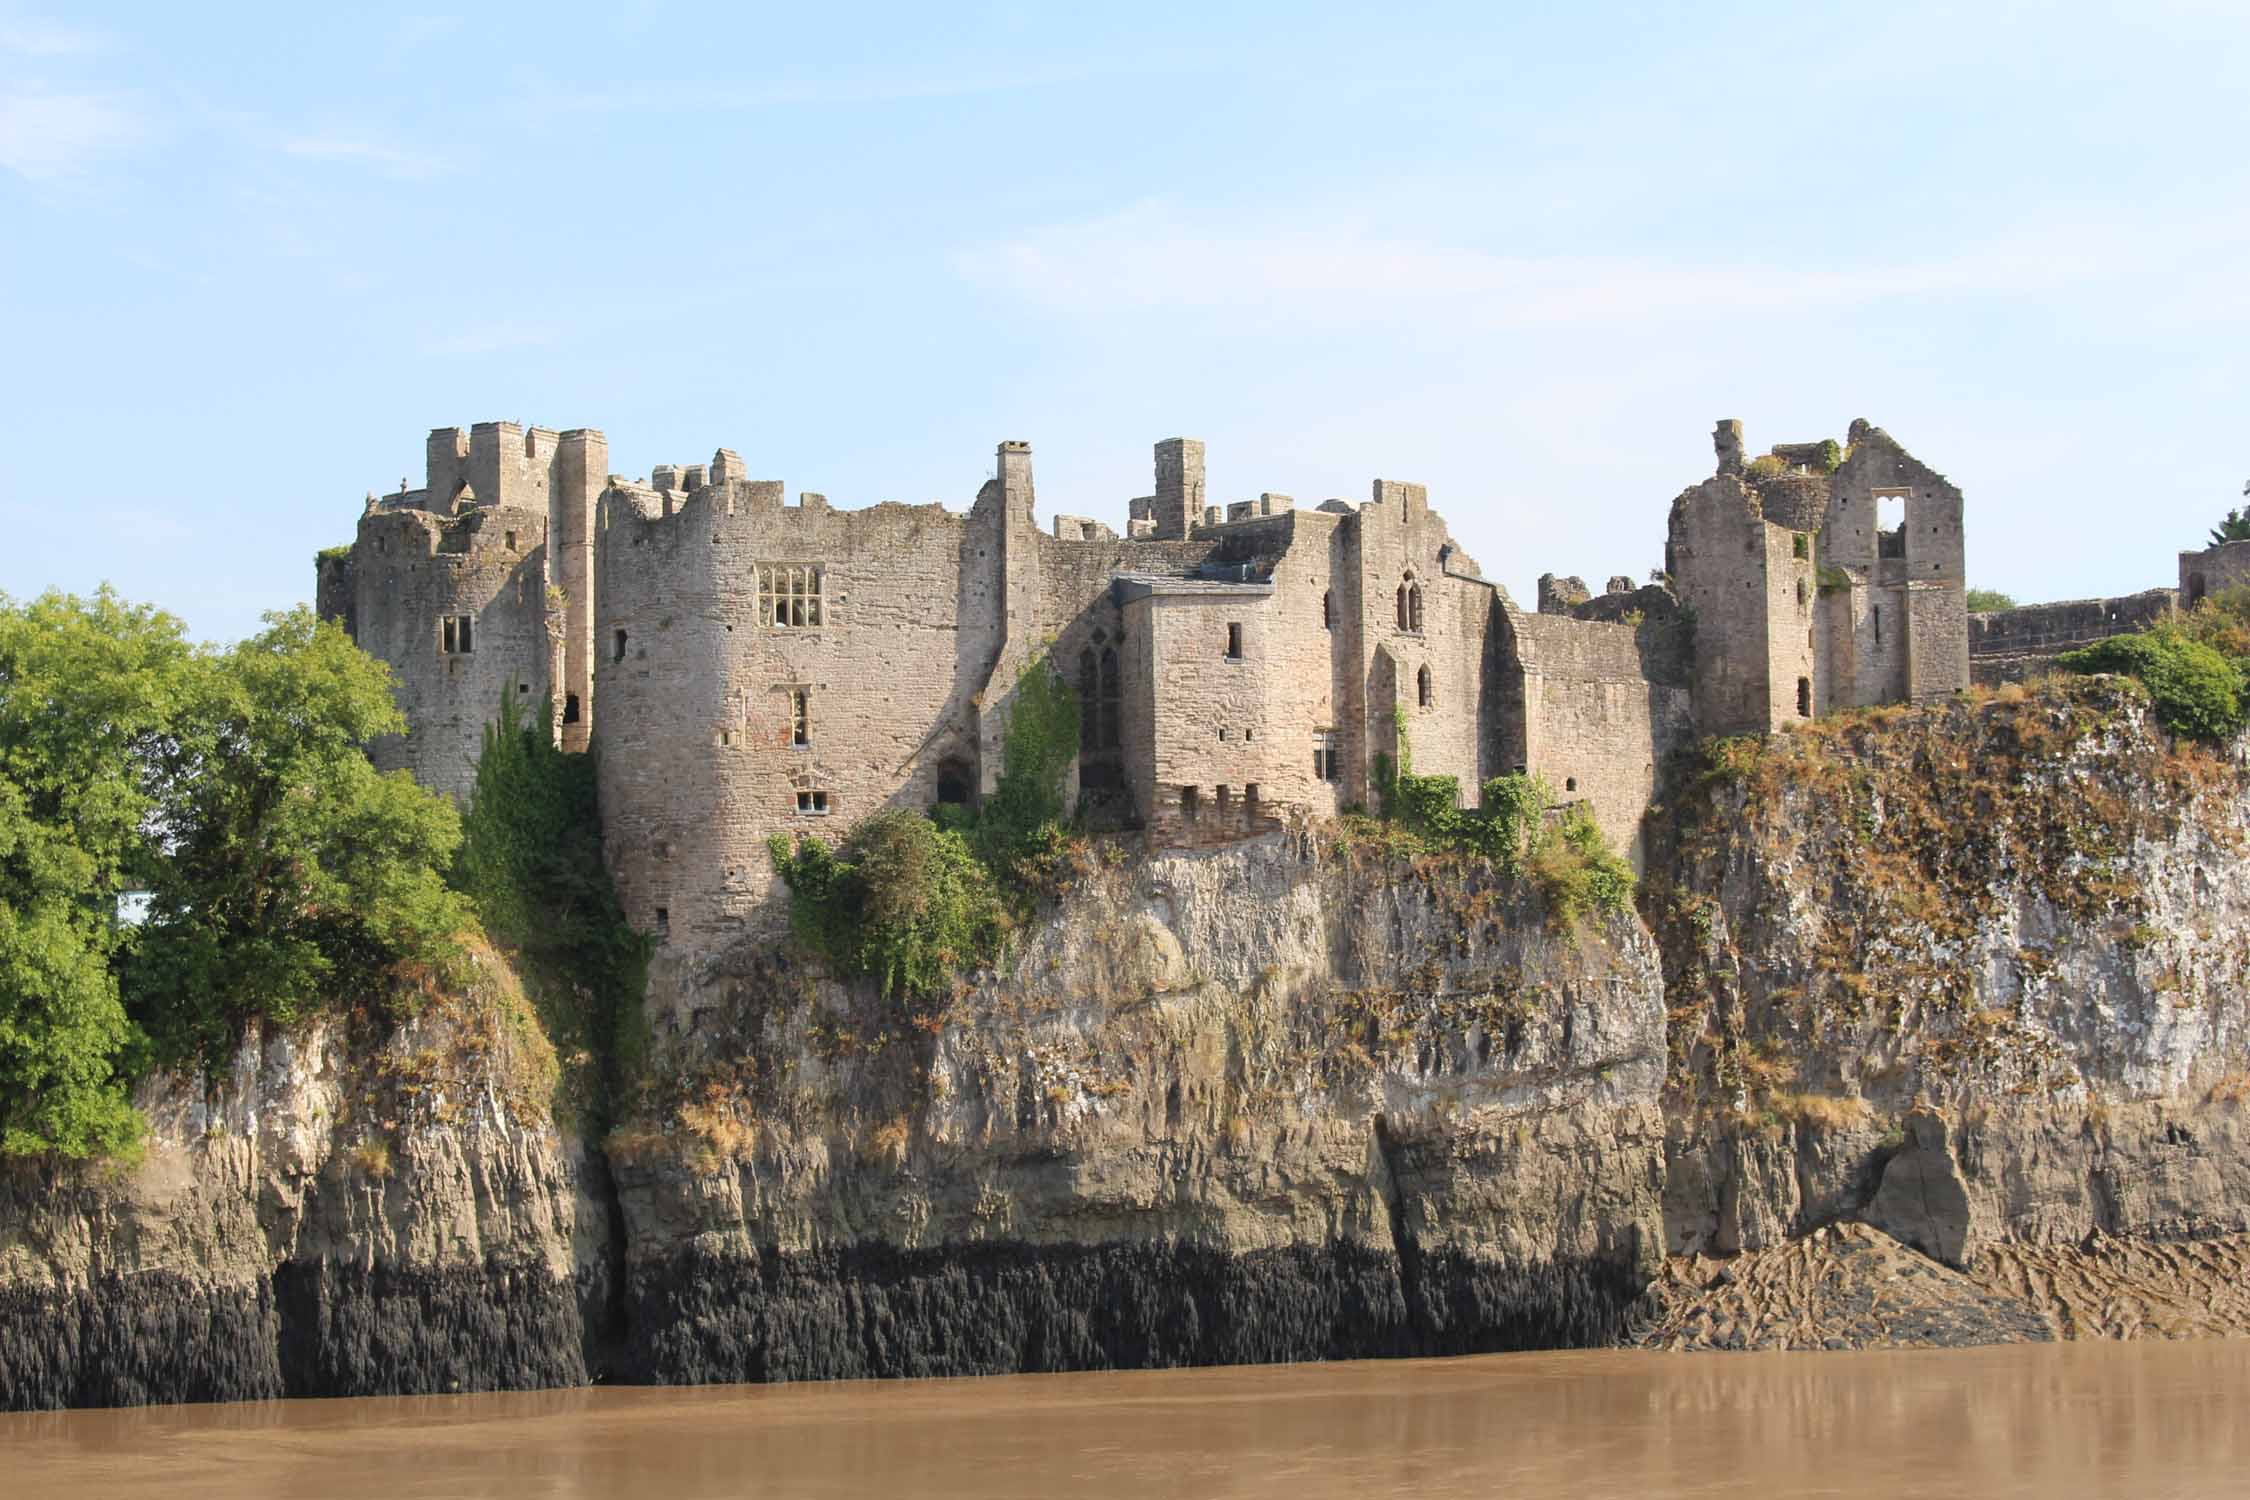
column 800, row 716
column 618, row 652
column 1328, row 610
column 1804, row 697
column 1422, row 693
column 1878, row 624
column 1191, row 802
column 1234, row 641
column 663, row 919
column 1325, row 766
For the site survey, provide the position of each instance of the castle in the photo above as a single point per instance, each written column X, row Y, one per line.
column 747, row 666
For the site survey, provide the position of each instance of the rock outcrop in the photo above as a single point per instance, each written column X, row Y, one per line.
column 1936, row 1030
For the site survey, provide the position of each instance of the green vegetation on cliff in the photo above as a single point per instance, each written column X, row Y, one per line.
column 917, row 901
column 2196, row 688
column 1515, row 825
column 531, row 864
column 276, row 869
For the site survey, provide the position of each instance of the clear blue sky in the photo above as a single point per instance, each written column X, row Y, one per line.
column 1524, row 254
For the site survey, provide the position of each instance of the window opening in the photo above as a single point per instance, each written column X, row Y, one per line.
column 1570, row 783
column 1191, row 802
column 1801, row 545
column 570, row 708
column 1250, row 798
column 663, row 919
column 1878, row 624
column 1224, row 734
column 1422, row 687
column 1089, row 699
column 800, row 716
column 1804, row 697
column 953, row 783
column 1414, row 607
column 1234, row 641
column 789, row 595
column 1112, row 704
column 1803, row 596
column 1224, row 802
column 1890, row 523
column 511, row 540
column 458, row 636
column 1325, row 762
column 812, row 803
column 620, row 653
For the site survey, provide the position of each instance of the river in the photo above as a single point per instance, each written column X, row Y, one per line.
column 2150, row 1421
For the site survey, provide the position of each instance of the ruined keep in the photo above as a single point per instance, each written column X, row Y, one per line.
column 748, row 666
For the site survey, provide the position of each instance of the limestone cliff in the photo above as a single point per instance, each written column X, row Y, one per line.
column 1272, row 1101
column 336, row 1212
column 1968, row 979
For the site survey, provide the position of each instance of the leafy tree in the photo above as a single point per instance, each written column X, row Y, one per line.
column 288, row 871
column 2235, row 528
column 1989, row 601
column 2196, row 689
column 1038, row 744
column 87, row 688
column 531, row 864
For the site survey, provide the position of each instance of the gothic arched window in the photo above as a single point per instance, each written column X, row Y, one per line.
column 1422, row 687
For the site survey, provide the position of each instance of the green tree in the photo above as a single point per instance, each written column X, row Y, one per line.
column 2235, row 528
column 288, row 870
column 904, row 900
column 87, row 689
column 1989, row 601
column 2196, row 689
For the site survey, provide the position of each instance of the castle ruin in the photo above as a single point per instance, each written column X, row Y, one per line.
column 747, row 666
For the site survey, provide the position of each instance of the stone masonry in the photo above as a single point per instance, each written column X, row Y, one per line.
column 746, row 665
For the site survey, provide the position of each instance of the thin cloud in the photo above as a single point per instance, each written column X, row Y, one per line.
column 46, row 39
column 391, row 161
column 1145, row 258
column 490, row 338
column 47, row 134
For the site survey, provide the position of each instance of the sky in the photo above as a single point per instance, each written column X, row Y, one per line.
column 1526, row 255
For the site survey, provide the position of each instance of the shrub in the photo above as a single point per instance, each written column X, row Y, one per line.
column 2197, row 690
column 903, row 901
column 1989, row 602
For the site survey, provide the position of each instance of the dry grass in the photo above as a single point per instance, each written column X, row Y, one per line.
column 1827, row 1111
column 373, row 1157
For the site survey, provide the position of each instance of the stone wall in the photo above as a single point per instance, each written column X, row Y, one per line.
column 411, row 572
column 1587, row 717
column 2213, row 570
column 2010, row 645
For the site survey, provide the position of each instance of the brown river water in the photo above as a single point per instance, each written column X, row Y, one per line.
column 2149, row 1421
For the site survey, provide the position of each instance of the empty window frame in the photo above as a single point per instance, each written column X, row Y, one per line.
column 457, row 635
column 1191, row 802
column 1804, row 697
column 617, row 652
column 789, row 595
column 1423, row 696
column 812, row 804
column 800, row 717
column 510, row 539
column 1410, row 605
column 1234, row 640
column 1327, row 765
column 1878, row 624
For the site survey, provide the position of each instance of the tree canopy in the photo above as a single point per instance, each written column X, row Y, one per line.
column 281, row 870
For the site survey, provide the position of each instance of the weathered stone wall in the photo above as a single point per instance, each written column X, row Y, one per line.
column 698, row 729
column 411, row 571
column 2012, row 644
column 2213, row 570
column 1588, row 717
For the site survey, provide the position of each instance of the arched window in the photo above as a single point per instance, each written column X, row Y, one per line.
column 1089, row 702
column 1422, row 687
column 1112, row 701
column 1402, row 606
column 1414, row 607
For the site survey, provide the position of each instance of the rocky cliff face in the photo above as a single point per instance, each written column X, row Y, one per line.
column 334, row 1214
column 1263, row 1102
column 1969, row 980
